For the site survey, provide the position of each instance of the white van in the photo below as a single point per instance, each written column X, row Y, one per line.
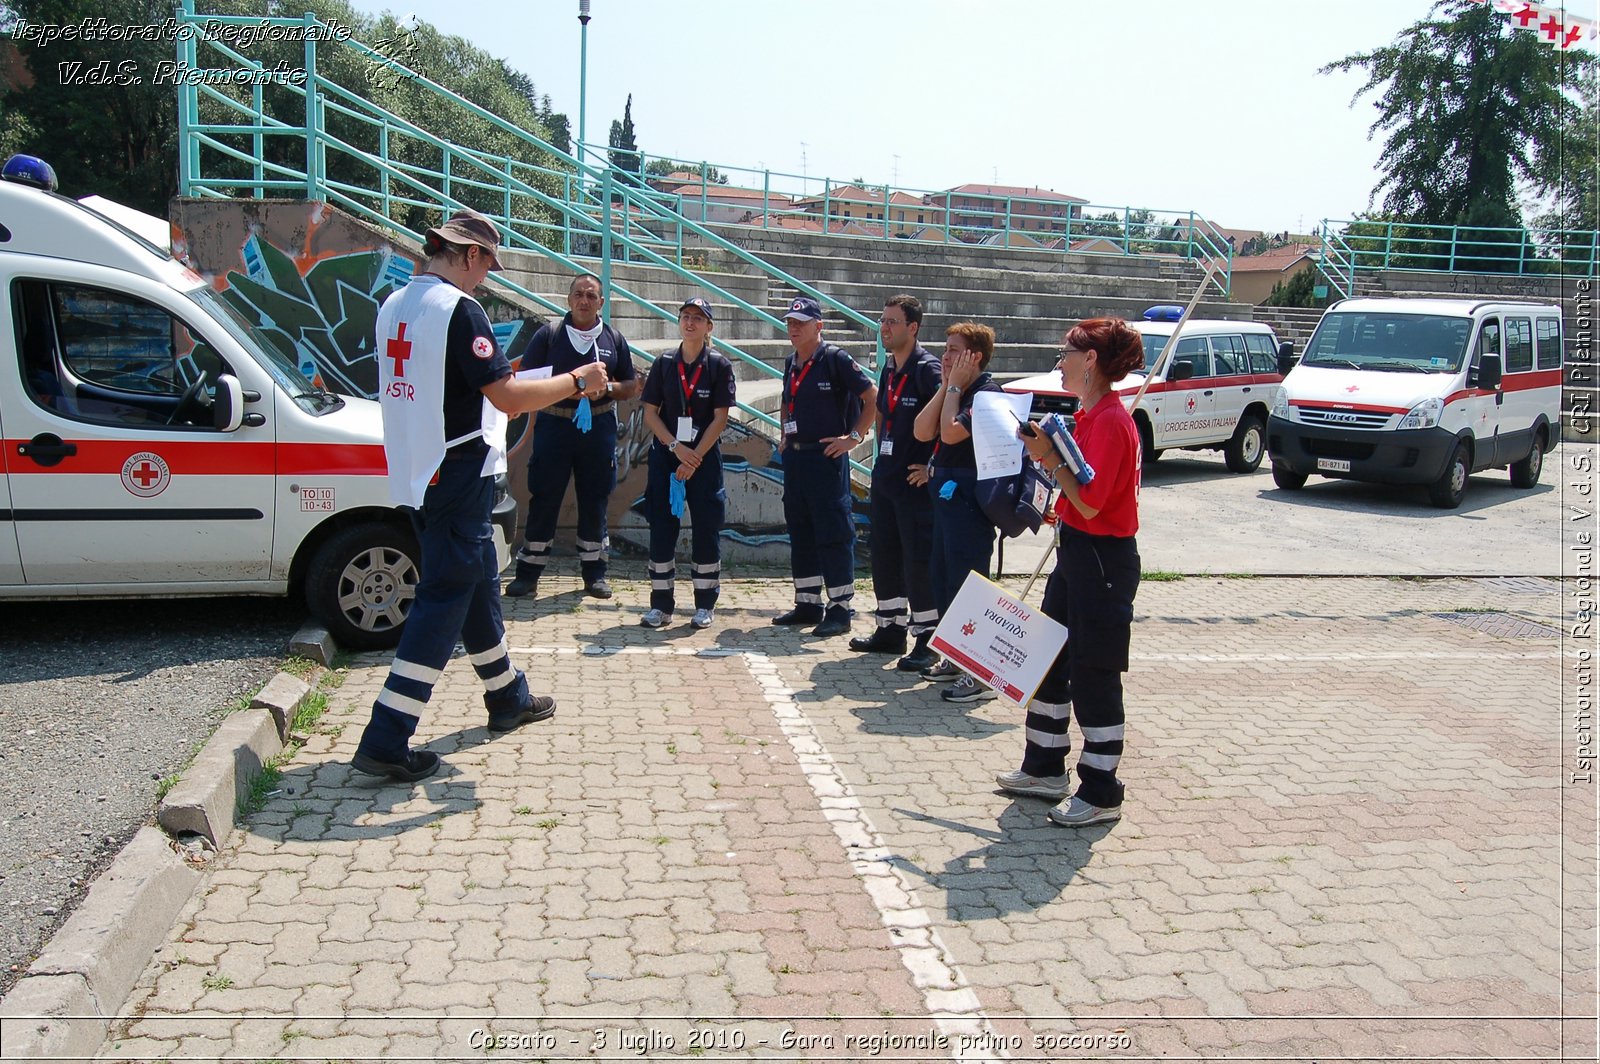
column 1422, row 391
column 156, row 444
column 1214, row 394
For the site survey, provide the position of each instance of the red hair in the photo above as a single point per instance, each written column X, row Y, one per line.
column 1119, row 349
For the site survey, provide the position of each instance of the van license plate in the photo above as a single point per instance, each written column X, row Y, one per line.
column 1333, row 465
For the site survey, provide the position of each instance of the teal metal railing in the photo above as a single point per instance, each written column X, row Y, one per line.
column 554, row 207
column 1363, row 245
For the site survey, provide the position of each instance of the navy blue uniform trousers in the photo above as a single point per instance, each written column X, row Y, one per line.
column 1091, row 591
column 963, row 539
column 902, row 545
column 822, row 532
column 458, row 597
column 589, row 460
column 706, row 502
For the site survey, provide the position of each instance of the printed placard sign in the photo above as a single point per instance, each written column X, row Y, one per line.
column 999, row 640
column 316, row 500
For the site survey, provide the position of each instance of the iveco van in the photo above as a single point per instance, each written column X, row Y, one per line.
column 1421, row 391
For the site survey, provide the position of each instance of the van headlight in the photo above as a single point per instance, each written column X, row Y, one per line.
column 1280, row 404
column 1425, row 415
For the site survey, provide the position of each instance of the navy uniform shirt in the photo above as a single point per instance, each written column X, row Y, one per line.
column 817, row 395
column 550, row 347
column 901, row 397
column 708, row 380
column 472, row 360
column 951, row 457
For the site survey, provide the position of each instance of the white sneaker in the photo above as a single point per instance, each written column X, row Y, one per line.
column 966, row 689
column 1054, row 788
column 1078, row 813
column 656, row 619
column 702, row 619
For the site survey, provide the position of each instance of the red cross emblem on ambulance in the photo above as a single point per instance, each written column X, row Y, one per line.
column 146, row 474
column 1190, row 404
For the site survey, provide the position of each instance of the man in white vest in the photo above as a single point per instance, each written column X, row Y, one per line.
column 446, row 390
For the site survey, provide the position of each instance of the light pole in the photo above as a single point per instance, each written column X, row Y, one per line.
column 583, row 73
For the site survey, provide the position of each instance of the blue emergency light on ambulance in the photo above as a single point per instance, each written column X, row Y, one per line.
column 1163, row 312
column 29, row 170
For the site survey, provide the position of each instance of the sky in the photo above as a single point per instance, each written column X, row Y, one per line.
column 1172, row 105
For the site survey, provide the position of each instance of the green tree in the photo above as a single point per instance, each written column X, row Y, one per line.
column 624, row 153
column 1467, row 105
column 1575, row 188
column 1298, row 291
column 663, row 167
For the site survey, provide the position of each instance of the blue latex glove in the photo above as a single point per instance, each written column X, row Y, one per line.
column 676, row 496
column 947, row 490
column 583, row 419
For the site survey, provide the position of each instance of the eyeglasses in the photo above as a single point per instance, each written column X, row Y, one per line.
column 891, row 321
column 1067, row 352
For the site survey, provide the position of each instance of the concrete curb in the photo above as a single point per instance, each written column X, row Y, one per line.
column 282, row 697
column 204, row 800
column 315, row 642
column 85, row 974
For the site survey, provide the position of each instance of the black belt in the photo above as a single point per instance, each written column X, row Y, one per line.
column 795, row 445
column 569, row 412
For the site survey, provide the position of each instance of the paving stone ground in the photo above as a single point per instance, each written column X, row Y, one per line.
column 1348, row 836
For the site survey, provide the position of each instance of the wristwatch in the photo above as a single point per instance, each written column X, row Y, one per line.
column 579, row 382
column 608, row 386
column 953, row 389
column 856, row 436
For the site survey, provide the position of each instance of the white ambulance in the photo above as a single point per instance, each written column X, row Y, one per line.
column 1214, row 393
column 1422, row 391
column 156, row 444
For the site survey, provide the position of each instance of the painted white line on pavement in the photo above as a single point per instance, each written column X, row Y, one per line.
column 952, row 1003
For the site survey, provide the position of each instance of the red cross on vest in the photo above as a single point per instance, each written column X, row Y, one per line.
column 399, row 349
column 145, row 473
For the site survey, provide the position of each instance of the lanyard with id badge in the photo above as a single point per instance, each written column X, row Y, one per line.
column 886, row 445
column 686, row 431
column 791, row 427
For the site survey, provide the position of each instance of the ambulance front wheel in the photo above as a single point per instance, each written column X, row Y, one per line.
column 1286, row 478
column 361, row 584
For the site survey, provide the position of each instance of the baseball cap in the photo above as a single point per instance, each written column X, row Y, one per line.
column 804, row 308
column 698, row 304
column 470, row 227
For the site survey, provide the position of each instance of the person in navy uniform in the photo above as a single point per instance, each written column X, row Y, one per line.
column 902, row 511
column 821, row 384
column 445, row 389
column 963, row 538
column 574, row 440
column 687, row 395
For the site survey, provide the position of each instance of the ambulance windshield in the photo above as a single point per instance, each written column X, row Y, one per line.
column 280, row 364
column 1395, row 343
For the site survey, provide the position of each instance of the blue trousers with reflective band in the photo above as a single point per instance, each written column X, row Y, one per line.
column 902, row 547
column 706, row 502
column 1091, row 591
column 458, row 597
column 822, row 532
column 963, row 539
column 589, row 460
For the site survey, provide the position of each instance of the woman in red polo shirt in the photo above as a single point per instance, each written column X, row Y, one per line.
column 1091, row 590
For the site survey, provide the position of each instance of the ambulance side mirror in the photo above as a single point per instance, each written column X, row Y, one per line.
column 1489, row 373
column 227, row 407
column 1286, row 359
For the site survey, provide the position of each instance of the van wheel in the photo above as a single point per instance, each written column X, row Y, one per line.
column 1525, row 474
column 1286, row 478
column 1147, row 443
column 1446, row 492
column 1243, row 452
column 362, row 582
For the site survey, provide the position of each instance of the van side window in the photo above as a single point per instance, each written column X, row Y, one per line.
column 1193, row 351
column 1548, row 333
column 94, row 354
column 1519, row 345
column 1228, row 354
column 1263, row 353
column 1488, row 341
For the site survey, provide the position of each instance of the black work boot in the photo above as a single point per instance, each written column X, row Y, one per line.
column 921, row 656
column 886, row 639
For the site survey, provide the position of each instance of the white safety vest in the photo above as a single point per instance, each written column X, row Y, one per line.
column 413, row 325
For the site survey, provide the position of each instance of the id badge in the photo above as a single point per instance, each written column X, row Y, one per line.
column 886, row 446
column 685, row 430
column 791, row 429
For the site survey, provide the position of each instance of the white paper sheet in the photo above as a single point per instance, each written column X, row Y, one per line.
column 995, row 417
column 542, row 373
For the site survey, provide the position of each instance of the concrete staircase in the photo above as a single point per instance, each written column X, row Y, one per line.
column 1290, row 323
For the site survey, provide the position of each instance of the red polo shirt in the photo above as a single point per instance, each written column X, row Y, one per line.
column 1109, row 441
